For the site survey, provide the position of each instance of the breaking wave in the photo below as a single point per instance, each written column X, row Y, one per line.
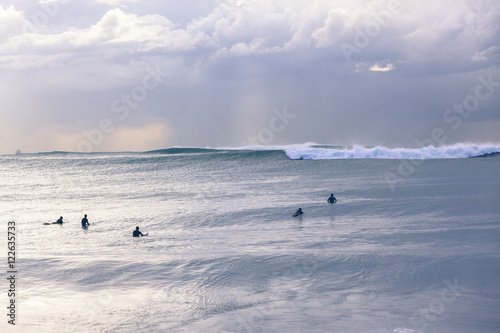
column 429, row 152
column 325, row 152
column 312, row 151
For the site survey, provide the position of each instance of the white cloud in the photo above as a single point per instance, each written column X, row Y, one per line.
column 256, row 46
column 387, row 68
column 11, row 21
column 447, row 30
column 237, row 28
column 114, row 35
column 486, row 54
column 145, row 33
column 332, row 30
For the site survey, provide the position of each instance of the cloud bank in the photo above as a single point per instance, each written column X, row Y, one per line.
column 351, row 72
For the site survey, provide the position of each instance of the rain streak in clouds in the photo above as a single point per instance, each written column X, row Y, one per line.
column 133, row 75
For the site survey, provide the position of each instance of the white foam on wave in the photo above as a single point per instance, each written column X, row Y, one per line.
column 380, row 152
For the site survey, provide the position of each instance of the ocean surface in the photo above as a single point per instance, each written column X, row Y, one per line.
column 412, row 244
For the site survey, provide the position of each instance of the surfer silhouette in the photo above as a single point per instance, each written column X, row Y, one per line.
column 85, row 222
column 298, row 212
column 331, row 199
column 137, row 233
column 60, row 221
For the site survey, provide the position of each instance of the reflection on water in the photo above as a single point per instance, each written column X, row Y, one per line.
column 225, row 254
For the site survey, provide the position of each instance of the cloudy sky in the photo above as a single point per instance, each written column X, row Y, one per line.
column 111, row 75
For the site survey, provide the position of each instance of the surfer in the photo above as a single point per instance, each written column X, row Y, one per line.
column 85, row 222
column 298, row 212
column 60, row 221
column 137, row 233
column 331, row 199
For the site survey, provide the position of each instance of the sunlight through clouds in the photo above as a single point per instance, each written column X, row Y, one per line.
column 316, row 58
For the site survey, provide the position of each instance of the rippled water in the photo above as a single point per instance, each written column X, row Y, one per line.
column 420, row 254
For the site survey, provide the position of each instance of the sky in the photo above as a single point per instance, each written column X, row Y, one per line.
column 129, row 75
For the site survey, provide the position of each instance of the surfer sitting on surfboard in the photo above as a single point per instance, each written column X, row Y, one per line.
column 137, row 233
column 331, row 199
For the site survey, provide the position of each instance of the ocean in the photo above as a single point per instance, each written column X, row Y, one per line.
column 411, row 245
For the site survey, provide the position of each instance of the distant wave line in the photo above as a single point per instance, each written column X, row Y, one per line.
column 313, row 151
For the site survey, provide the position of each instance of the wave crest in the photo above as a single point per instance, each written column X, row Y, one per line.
column 379, row 152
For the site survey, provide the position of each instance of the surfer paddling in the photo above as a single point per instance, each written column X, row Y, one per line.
column 60, row 221
column 298, row 212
